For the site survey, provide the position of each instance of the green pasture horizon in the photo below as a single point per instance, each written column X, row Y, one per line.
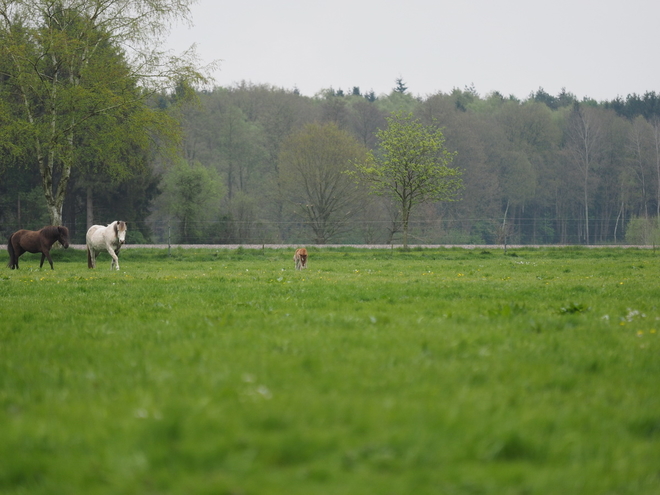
column 226, row 371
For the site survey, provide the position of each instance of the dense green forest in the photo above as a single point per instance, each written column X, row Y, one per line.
column 547, row 169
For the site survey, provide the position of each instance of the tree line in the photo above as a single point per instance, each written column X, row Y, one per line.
column 546, row 169
column 91, row 133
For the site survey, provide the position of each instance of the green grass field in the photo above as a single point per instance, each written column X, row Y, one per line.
column 445, row 371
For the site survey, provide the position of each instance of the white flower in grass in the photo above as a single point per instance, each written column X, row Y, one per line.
column 264, row 392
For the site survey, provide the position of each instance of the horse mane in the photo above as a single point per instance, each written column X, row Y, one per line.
column 51, row 231
column 119, row 226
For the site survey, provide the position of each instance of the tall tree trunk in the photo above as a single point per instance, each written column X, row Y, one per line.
column 586, row 205
column 504, row 227
column 90, row 207
column 54, row 201
column 656, row 135
column 585, row 137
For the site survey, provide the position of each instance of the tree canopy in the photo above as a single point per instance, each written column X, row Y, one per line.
column 411, row 166
column 75, row 76
column 311, row 174
column 523, row 163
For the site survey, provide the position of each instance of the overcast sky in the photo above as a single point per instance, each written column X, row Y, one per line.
column 600, row 48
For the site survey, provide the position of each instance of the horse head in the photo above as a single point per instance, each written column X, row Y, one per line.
column 120, row 230
column 63, row 236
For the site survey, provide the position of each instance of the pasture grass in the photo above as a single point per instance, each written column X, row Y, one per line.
column 446, row 371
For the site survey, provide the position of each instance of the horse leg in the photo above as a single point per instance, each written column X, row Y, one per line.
column 10, row 253
column 18, row 251
column 117, row 255
column 91, row 258
column 115, row 259
column 94, row 254
column 46, row 254
column 15, row 252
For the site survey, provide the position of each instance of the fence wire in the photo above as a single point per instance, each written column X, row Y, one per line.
column 472, row 231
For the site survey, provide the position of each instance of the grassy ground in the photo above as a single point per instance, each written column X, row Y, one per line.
column 432, row 371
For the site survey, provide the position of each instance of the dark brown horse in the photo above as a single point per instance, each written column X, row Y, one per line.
column 39, row 241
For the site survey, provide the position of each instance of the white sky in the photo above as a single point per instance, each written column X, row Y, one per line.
column 595, row 48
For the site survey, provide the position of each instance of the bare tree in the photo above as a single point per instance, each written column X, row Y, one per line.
column 311, row 176
column 584, row 140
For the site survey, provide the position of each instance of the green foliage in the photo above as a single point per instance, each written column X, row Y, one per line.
column 647, row 105
column 400, row 86
column 412, row 166
column 73, row 88
column 517, row 157
column 643, row 231
column 397, row 102
column 311, row 168
column 192, row 195
column 34, row 214
column 573, row 308
column 428, row 371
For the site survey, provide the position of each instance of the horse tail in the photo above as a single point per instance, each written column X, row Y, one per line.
column 89, row 258
column 12, row 254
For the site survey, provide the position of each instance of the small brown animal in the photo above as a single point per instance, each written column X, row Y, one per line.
column 300, row 258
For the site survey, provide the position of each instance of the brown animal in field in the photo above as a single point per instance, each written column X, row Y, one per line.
column 39, row 241
column 300, row 258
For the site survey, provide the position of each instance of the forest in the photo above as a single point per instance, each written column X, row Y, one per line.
column 92, row 131
column 544, row 170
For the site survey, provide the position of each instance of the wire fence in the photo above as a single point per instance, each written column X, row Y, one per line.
column 444, row 232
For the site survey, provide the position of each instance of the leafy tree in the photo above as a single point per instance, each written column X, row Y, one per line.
column 400, row 85
column 335, row 109
column 542, row 97
column 397, row 102
column 192, row 195
column 64, row 64
column 643, row 231
column 311, row 173
column 412, row 166
column 240, row 149
column 477, row 142
column 370, row 96
column 366, row 119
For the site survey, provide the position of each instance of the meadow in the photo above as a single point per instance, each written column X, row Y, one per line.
column 431, row 371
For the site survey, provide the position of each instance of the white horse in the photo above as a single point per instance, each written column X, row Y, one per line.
column 109, row 238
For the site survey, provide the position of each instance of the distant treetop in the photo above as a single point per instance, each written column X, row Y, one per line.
column 400, row 86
